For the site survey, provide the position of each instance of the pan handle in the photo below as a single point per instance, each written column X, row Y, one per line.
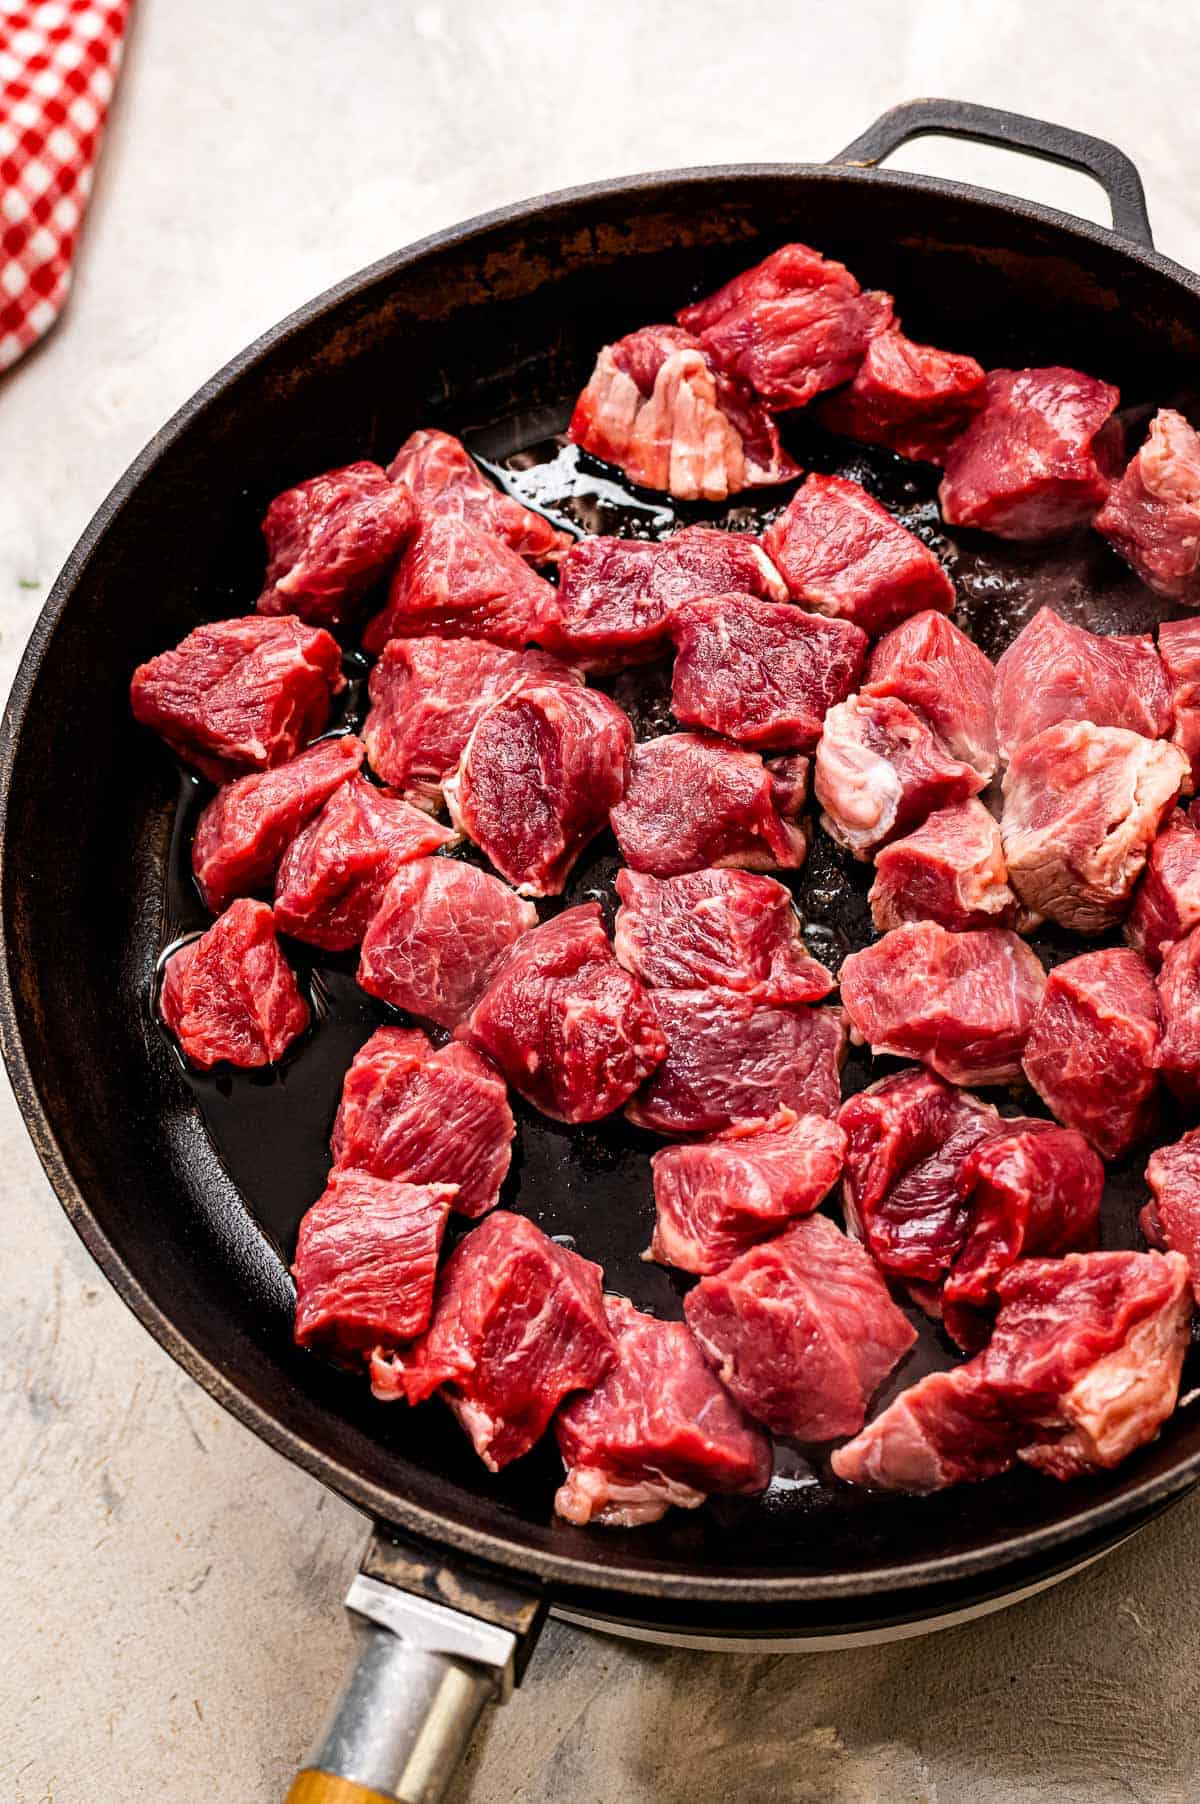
column 1114, row 171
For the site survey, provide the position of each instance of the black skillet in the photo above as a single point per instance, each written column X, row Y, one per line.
column 188, row 1191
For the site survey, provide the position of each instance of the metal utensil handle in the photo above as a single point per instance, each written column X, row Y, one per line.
column 1107, row 165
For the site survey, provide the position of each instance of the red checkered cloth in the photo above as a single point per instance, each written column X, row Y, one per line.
column 58, row 67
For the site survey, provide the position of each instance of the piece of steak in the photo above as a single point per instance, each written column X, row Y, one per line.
column 230, row 995
column 1055, row 670
column 240, row 695
column 246, row 828
column 429, row 1117
column 881, row 770
column 1166, row 903
column 329, row 539
column 518, row 1324
column 1082, row 806
column 694, row 800
column 842, row 553
column 801, row 1330
column 572, row 1032
column 792, row 326
column 725, row 930
column 537, row 778
column 950, row 870
column 658, row 1430
column 457, row 581
column 1092, row 1051
column 444, row 479
column 912, row 398
column 941, row 674
column 438, row 937
column 716, row 1197
column 730, row 1060
column 962, row 1003
column 366, row 1261
column 1039, row 460
column 947, row 1429
column 1152, row 515
column 1179, row 649
column 1171, row 1220
column 1178, row 989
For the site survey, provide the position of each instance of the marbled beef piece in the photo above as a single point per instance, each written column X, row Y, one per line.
column 658, row 1430
column 329, row 539
column 459, row 582
column 694, row 800
column 881, row 770
column 801, row 1330
column 444, row 479
column 794, row 325
column 1040, row 458
column 537, row 778
column 230, row 996
column 944, row 677
column 428, row 1117
column 1082, row 806
column 1054, row 670
column 1179, row 649
column 658, row 407
column 912, row 398
column 763, row 673
column 841, row 553
column 240, row 695
column 246, row 828
column 963, row 1003
column 1171, row 1221
column 1166, row 903
column 1092, row 1051
column 947, row 1429
column 366, row 1261
column 716, row 1197
column 518, row 1324
column 1152, row 515
column 950, row 870
column 438, row 937
column 572, row 1032
column 1178, row 989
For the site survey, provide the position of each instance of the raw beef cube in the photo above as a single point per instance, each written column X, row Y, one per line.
column 246, row 828
column 947, row 1429
column 1171, row 1221
column 951, row 870
column 1166, row 903
column 1082, row 805
column 439, row 936
column 572, row 1032
column 725, row 930
column 912, row 398
column 801, row 1330
column 332, row 878
column 717, row 1197
column 366, row 1261
column 694, row 800
column 764, row 673
column 1092, row 1051
column 408, row 1111
column 537, row 778
column 443, row 479
column 230, row 995
column 794, row 325
column 427, row 694
column 1054, row 670
column 329, row 539
column 942, row 675
column 1039, row 459
column 459, row 582
column 906, row 1140
column 657, row 1430
column 1179, row 1010
column 518, row 1324
column 881, row 770
column 841, row 553
column 656, row 406
column 1179, row 649
column 240, row 694
column 1152, row 515
column 730, row 1061
column 963, row 1003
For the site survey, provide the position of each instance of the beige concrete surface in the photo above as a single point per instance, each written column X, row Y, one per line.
column 169, row 1614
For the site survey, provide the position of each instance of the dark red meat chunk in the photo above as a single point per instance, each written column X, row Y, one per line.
column 842, row 553
column 947, row 1429
column 444, row 480
column 1092, row 1050
column 1171, row 1221
column 881, row 770
column 1054, row 670
column 658, row 1430
column 459, row 582
column 230, row 995
column 912, row 398
column 1039, row 459
column 1179, row 1010
column 240, row 694
column 694, row 800
column 329, row 539
column 950, row 870
column 945, row 678
column 1166, row 903
column 572, row 1032
column 1152, row 515
column 1179, row 649
column 438, row 937
column 801, row 1330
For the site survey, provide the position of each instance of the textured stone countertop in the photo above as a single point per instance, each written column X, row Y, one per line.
column 171, row 1625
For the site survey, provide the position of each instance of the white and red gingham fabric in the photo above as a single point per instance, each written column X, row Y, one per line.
column 58, row 67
